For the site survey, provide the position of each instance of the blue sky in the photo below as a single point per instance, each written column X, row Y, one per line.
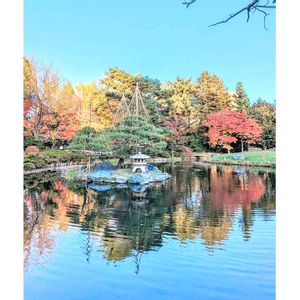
column 158, row 38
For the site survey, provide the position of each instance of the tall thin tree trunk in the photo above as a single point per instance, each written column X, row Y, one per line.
column 242, row 145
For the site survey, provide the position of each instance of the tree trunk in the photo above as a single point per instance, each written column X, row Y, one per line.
column 242, row 145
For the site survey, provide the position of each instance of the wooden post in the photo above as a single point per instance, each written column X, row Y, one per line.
column 89, row 165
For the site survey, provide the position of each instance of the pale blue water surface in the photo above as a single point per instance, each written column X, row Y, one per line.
column 208, row 233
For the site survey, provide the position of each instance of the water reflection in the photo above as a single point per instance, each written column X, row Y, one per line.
column 195, row 204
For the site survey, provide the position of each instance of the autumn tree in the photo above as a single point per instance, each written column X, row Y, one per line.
column 212, row 94
column 183, row 93
column 59, row 128
column 241, row 100
column 226, row 128
column 265, row 114
column 117, row 83
column 41, row 85
column 96, row 111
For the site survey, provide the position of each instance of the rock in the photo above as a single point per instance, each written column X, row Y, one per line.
column 100, row 188
column 105, row 165
column 238, row 157
column 138, row 179
column 126, row 176
column 121, row 186
column 100, row 175
column 152, row 168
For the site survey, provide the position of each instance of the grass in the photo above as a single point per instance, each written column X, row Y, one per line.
column 265, row 158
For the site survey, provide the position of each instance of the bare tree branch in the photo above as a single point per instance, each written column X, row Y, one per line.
column 188, row 3
column 265, row 15
column 253, row 6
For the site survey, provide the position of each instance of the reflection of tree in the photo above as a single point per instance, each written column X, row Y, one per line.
column 37, row 228
column 214, row 233
column 247, row 222
column 228, row 190
column 193, row 204
column 185, row 223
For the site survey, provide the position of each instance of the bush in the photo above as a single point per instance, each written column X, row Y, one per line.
column 31, row 141
column 29, row 166
column 32, row 149
column 61, row 156
column 32, row 161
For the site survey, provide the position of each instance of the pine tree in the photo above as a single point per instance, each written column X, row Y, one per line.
column 135, row 133
column 241, row 100
column 265, row 114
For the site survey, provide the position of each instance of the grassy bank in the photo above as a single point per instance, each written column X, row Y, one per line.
column 48, row 157
column 258, row 158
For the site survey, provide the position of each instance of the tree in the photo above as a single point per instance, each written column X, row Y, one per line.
column 96, row 110
column 241, row 100
column 225, row 128
column 29, row 79
column 252, row 7
column 153, row 96
column 117, row 82
column 59, row 128
column 183, row 93
column 212, row 94
column 67, row 100
column 89, row 138
column 41, row 85
column 265, row 114
column 133, row 133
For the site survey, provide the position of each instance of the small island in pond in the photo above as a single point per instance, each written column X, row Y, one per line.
column 139, row 173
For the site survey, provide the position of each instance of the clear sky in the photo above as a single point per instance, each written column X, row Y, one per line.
column 158, row 38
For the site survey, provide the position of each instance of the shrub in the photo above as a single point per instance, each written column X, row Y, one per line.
column 32, row 149
column 32, row 161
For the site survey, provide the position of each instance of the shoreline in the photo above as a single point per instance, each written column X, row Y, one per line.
column 245, row 164
column 55, row 168
column 160, row 160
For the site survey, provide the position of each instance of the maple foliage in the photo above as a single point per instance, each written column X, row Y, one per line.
column 32, row 149
column 59, row 127
column 227, row 127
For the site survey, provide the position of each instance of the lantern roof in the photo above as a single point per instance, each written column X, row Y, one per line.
column 139, row 155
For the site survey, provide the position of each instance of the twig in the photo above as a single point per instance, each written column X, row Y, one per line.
column 252, row 6
column 188, row 3
column 248, row 8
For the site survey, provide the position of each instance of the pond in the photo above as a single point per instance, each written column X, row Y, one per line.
column 208, row 233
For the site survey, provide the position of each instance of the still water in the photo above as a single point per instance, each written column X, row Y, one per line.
column 208, row 233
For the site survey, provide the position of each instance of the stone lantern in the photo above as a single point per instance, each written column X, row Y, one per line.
column 138, row 162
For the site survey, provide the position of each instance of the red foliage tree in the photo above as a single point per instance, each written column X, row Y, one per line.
column 59, row 127
column 228, row 127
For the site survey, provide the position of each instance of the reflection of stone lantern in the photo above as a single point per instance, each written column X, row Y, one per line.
column 139, row 195
column 139, row 162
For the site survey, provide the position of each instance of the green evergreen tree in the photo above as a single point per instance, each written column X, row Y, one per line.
column 265, row 114
column 90, row 139
column 135, row 133
column 241, row 100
